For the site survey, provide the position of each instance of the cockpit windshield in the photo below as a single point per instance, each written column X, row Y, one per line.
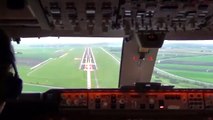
column 68, row 62
column 185, row 64
column 94, row 62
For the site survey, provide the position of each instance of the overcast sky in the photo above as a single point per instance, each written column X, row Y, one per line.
column 74, row 40
column 189, row 41
column 92, row 40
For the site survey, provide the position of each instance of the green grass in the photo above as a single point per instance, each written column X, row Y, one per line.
column 36, row 52
column 207, row 58
column 115, row 51
column 31, row 88
column 195, row 75
column 165, row 81
column 174, row 54
column 39, row 52
column 64, row 72
column 108, row 69
column 117, row 55
column 172, row 66
column 200, row 76
column 61, row 72
column 170, row 55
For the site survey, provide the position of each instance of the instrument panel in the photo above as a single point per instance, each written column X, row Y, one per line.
column 113, row 104
column 135, row 100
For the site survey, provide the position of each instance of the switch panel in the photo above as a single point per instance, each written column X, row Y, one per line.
column 101, row 16
column 136, row 100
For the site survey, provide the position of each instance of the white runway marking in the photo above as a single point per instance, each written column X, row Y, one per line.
column 89, row 84
column 87, row 64
column 65, row 54
column 110, row 55
column 93, row 57
column 35, row 68
column 82, row 58
column 40, row 64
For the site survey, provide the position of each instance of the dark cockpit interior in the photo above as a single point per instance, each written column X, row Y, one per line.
column 108, row 59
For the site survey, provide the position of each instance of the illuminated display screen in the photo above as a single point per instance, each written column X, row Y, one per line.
column 69, row 62
column 185, row 64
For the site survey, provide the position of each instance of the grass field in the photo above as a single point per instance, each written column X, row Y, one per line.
column 166, row 81
column 108, row 69
column 46, row 68
column 189, row 61
column 206, row 58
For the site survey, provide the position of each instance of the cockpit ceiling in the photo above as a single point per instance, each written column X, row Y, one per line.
column 183, row 19
column 13, row 18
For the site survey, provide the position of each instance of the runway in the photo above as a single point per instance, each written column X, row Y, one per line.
column 88, row 64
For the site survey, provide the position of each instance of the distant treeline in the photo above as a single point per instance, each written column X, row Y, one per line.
column 187, row 45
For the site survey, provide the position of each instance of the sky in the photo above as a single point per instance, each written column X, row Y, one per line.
column 189, row 41
column 72, row 40
column 92, row 40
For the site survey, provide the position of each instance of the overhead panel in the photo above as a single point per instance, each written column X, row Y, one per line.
column 187, row 18
column 16, row 18
column 107, row 15
column 85, row 17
